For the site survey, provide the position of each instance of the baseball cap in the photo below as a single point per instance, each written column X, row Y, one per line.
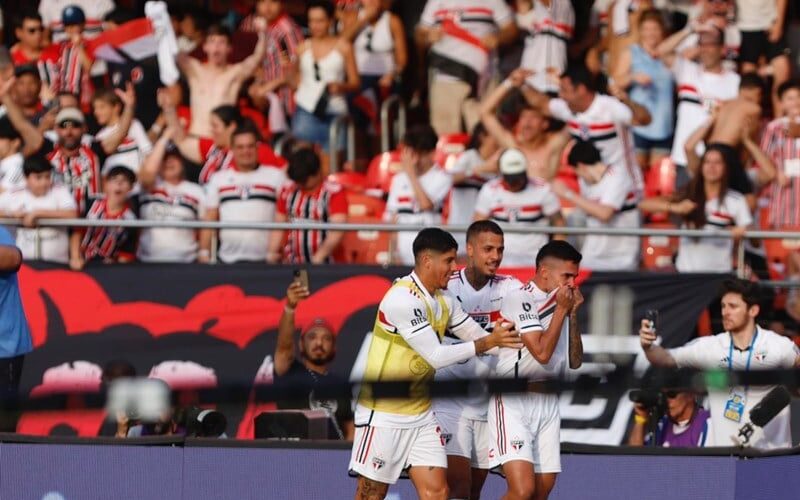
column 72, row 14
column 316, row 323
column 70, row 115
column 513, row 162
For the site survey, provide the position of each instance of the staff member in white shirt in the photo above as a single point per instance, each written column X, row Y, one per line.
column 608, row 196
column 417, row 193
column 742, row 346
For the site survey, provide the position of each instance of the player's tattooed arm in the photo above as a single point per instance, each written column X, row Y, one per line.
column 575, row 342
column 370, row 490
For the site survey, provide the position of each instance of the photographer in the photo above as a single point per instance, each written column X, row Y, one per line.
column 317, row 347
column 683, row 425
column 742, row 346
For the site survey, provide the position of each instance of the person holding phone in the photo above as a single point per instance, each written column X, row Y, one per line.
column 317, row 348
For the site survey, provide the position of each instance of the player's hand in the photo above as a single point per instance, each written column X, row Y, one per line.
column 295, row 293
column 647, row 335
column 505, row 335
column 578, row 297
column 641, row 410
column 565, row 298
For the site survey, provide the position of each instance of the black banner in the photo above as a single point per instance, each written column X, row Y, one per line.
column 217, row 325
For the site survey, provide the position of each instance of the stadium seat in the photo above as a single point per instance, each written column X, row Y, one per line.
column 351, row 181
column 449, row 148
column 364, row 247
column 777, row 251
column 381, row 170
column 258, row 118
column 658, row 252
column 660, row 181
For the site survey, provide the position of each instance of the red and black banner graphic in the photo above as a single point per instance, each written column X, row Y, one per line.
column 217, row 325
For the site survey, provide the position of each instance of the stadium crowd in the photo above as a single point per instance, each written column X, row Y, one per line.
column 543, row 113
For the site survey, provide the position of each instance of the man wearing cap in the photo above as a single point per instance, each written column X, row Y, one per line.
column 77, row 163
column 93, row 10
column 514, row 200
column 317, row 348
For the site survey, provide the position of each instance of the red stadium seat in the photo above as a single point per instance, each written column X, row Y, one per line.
column 449, row 148
column 777, row 252
column 364, row 247
column 381, row 170
column 658, row 252
column 257, row 117
column 660, row 181
column 361, row 204
column 351, row 181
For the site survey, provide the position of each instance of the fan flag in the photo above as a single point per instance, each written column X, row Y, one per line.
column 135, row 39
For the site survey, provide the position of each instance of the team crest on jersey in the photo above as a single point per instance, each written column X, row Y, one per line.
column 760, row 356
column 245, row 192
column 583, row 131
column 517, row 444
column 482, row 319
column 445, row 438
column 377, row 463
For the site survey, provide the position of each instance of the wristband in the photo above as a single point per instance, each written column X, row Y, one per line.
column 640, row 419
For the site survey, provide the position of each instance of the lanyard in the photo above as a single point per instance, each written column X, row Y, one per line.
column 749, row 354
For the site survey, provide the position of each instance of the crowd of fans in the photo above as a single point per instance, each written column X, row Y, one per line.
column 566, row 116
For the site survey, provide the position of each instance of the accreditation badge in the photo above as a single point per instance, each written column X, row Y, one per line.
column 734, row 407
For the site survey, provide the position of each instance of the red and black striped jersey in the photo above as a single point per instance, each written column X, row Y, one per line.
column 79, row 172
column 316, row 206
column 109, row 243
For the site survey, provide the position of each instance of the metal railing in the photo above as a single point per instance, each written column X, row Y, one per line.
column 388, row 129
column 333, row 141
column 394, row 228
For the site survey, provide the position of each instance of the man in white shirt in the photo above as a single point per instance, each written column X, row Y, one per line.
column 462, row 36
column 603, row 120
column 742, row 346
column 479, row 290
column 609, row 198
column 245, row 192
column 40, row 199
column 10, row 157
column 396, row 434
column 516, row 201
column 525, row 428
column 418, row 192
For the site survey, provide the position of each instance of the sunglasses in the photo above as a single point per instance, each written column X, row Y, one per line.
column 69, row 124
column 671, row 394
column 369, row 41
column 317, row 76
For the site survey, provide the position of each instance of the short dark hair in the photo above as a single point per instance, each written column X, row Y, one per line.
column 303, row 164
column 793, row 84
column 27, row 69
column 479, row 133
column 654, row 15
column 325, row 5
column 36, row 165
column 578, row 74
column 583, row 152
column 109, row 97
column 751, row 80
column 433, row 239
column 748, row 290
column 228, row 114
column 26, row 13
column 483, row 226
column 421, row 138
column 558, row 249
column 218, row 30
column 118, row 170
column 247, row 127
column 118, row 368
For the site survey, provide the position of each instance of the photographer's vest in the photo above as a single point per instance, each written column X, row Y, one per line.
column 390, row 358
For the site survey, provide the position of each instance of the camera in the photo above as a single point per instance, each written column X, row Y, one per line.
column 651, row 399
column 200, row 422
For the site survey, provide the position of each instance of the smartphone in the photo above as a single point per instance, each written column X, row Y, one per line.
column 301, row 276
column 652, row 316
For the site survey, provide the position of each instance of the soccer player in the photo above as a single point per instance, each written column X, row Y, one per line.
column 402, row 433
column 525, row 428
column 479, row 290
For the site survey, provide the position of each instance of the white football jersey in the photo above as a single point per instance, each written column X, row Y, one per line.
column 184, row 201
column 531, row 310
column 484, row 307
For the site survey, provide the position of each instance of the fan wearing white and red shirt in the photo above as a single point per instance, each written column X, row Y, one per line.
column 77, row 164
column 517, row 201
column 107, row 244
column 603, row 120
column 701, row 86
column 549, row 29
column 95, row 10
column 417, row 193
column 609, row 198
column 308, row 198
column 462, row 36
column 107, row 108
column 29, row 31
column 246, row 192
column 167, row 196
